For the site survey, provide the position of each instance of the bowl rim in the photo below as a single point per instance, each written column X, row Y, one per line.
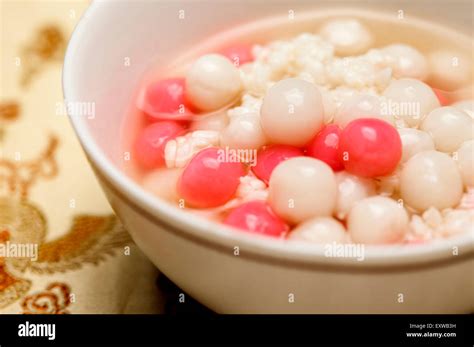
column 220, row 238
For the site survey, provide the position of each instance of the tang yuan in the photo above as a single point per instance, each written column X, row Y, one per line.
column 322, row 230
column 406, row 61
column 466, row 106
column 301, row 188
column 449, row 127
column 410, row 100
column 348, row 36
column 414, row 141
column 292, row 112
column 431, row 179
column 465, row 161
column 363, row 106
column 377, row 220
column 212, row 82
column 335, row 134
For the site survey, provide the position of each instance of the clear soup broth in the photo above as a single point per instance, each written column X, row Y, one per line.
column 343, row 67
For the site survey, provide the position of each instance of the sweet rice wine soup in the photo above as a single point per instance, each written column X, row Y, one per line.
column 345, row 128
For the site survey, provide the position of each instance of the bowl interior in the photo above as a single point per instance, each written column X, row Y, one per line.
column 116, row 43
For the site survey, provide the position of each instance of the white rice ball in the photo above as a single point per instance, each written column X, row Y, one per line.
column 212, row 82
column 349, row 36
column 301, row 188
column 431, row 179
column 377, row 220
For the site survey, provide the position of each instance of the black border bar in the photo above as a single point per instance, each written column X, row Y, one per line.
column 380, row 330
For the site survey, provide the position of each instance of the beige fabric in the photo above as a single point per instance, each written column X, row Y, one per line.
column 49, row 196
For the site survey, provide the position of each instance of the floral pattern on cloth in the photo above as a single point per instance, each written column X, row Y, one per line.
column 81, row 253
column 89, row 239
column 53, row 300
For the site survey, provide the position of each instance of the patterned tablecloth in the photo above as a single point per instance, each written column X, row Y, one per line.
column 61, row 248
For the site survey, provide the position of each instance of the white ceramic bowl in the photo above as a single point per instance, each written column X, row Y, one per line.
column 198, row 255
